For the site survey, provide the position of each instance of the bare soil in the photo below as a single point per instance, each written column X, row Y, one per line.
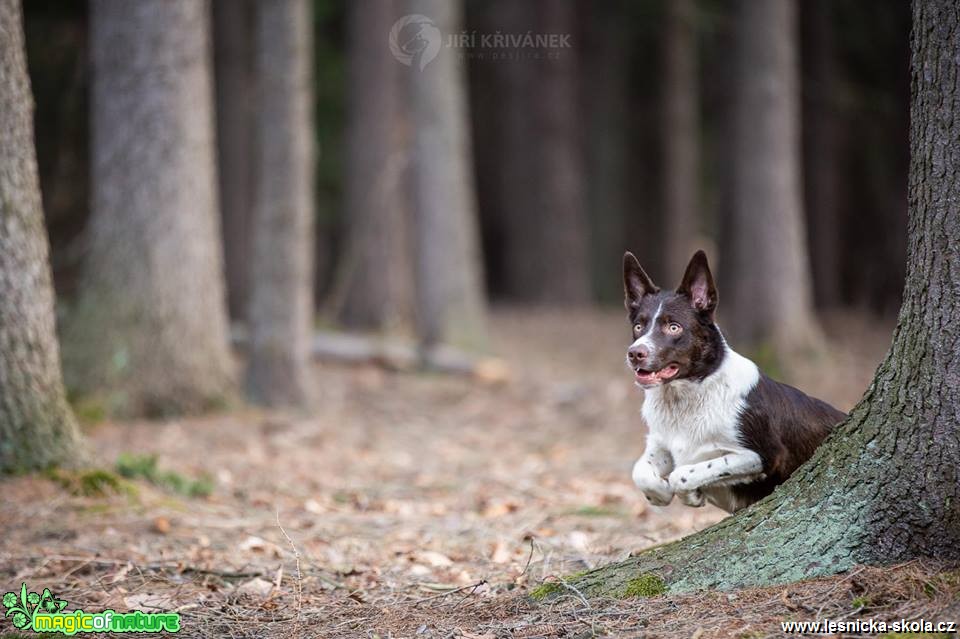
column 424, row 505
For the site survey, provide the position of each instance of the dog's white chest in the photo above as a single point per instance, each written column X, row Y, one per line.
column 696, row 421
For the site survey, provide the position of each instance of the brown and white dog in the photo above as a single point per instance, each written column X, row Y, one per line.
column 720, row 431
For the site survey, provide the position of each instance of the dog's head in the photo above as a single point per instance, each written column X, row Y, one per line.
column 674, row 334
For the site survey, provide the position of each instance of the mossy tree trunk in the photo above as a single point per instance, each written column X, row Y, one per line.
column 885, row 487
column 150, row 331
column 37, row 428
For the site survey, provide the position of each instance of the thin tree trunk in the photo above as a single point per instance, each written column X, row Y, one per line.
column 885, row 486
column 281, row 296
column 521, row 269
column 37, row 428
column 605, row 98
column 150, row 331
column 374, row 282
column 546, row 235
column 449, row 271
column 820, row 152
column 561, row 253
column 233, row 70
column 681, row 136
column 770, row 296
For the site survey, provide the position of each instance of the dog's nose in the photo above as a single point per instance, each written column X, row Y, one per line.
column 637, row 354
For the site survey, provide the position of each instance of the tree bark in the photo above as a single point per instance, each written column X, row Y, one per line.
column 450, row 304
column 546, row 235
column 233, row 71
column 37, row 428
column 681, row 136
column 374, row 286
column 885, row 486
column 768, row 280
column 605, row 97
column 150, row 330
column 281, row 296
column 821, row 151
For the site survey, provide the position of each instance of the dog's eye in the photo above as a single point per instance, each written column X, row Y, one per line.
column 674, row 329
column 638, row 328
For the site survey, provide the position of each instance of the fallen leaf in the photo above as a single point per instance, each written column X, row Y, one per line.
column 435, row 559
column 161, row 525
column 257, row 587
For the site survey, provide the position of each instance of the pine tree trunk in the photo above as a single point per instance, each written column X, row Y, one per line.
column 150, row 330
column 281, row 296
column 546, row 236
column 521, row 270
column 562, row 250
column 769, row 296
column 820, row 151
column 374, row 282
column 233, row 70
column 885, row 487
column 681, row 133
column 605, row 96
column 450, row 304
column 37, row 428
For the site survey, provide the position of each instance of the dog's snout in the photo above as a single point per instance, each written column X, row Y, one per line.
column 637, row 354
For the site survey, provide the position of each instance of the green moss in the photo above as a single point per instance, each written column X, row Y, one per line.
column 546, row 589
column 145, row 467
column 646, row 585
column 93, row 482
column 89, row 410
column 861, row 602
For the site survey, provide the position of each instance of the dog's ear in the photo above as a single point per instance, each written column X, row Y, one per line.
column 698, row 284
column 636, row 283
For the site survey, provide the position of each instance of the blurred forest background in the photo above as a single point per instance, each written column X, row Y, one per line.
column 349, row 200
column 777, row 140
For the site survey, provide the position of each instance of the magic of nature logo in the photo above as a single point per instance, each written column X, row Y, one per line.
column 43, row 612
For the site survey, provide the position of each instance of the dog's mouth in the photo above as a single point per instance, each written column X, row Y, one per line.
column 651, row 378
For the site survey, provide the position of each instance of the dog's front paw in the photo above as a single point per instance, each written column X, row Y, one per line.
column 655, row 488
column 683, row 479
column 692, row 498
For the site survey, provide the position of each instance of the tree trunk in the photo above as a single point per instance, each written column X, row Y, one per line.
column 885, row 487
column 768, row 280
column 150, row 331
column 543, row 215
column 681, row 136
column 519, row 271
column 374, row 281
column 37, row 428
column 233, row 70
column 450, row 304
column 281, row 296
column 561, row 252
column 605, row 96
column 820, row 151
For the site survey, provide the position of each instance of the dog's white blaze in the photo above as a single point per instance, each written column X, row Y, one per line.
column 645, row 339
column 696, row 422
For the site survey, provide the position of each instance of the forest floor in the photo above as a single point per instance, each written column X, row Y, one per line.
column 418, row 505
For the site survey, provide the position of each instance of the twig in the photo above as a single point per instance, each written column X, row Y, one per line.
column 416, row 602
column 296, row 554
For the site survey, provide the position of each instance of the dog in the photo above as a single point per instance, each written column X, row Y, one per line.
column 720, row 431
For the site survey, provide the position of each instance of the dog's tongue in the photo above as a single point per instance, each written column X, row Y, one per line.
column 663, row 374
